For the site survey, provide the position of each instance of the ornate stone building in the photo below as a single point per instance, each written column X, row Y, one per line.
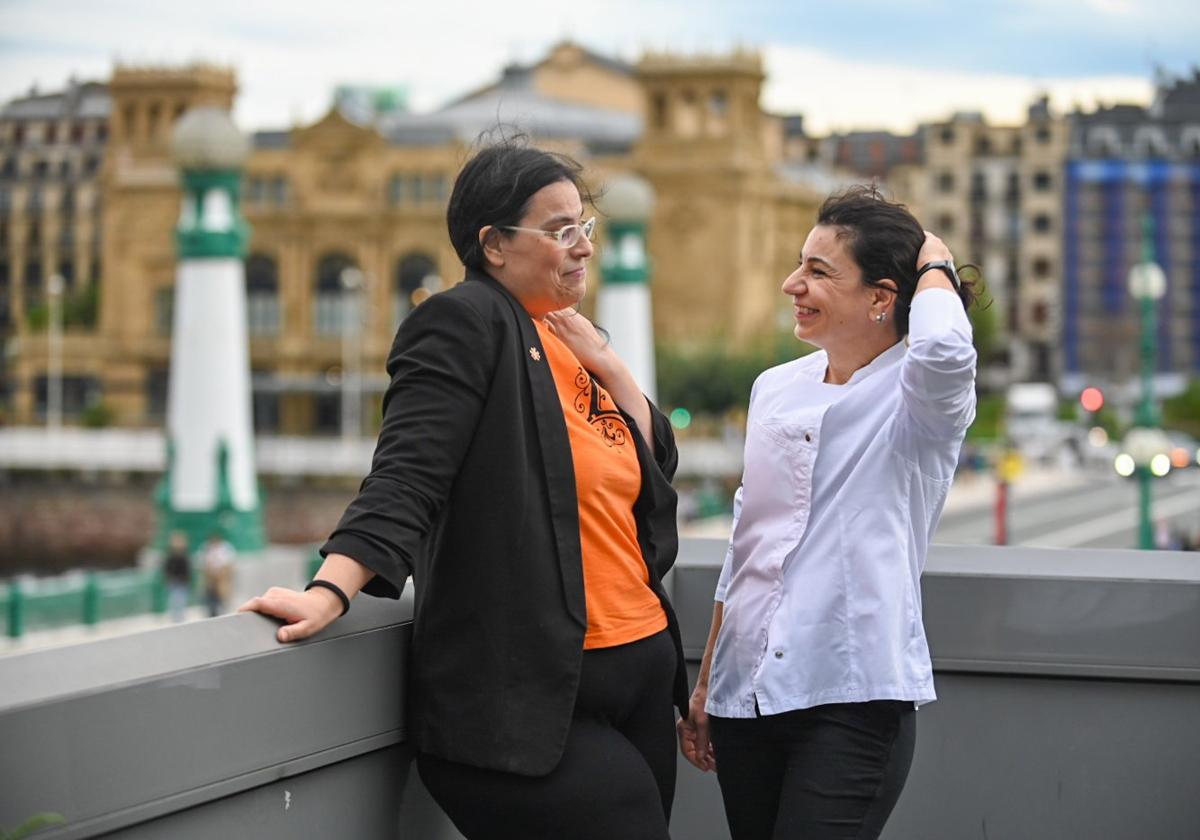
column 335, row 195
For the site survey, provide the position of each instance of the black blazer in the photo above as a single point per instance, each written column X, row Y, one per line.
column 472, row 492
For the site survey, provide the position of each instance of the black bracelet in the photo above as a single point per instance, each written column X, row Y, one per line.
column 947, row 266
column 335, row 589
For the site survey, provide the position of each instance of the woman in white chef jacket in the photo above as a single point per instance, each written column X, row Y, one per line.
column 817, row 658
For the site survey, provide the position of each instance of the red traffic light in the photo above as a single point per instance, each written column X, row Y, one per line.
column 1092, row 399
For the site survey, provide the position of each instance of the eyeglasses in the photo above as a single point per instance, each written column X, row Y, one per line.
column 566, row 237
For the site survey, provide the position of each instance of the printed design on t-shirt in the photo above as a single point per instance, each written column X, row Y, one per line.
column 607, row 421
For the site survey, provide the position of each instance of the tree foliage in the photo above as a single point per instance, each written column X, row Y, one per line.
column 1182, row 411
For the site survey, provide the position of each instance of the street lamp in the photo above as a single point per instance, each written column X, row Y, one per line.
column 1146, row 442
column 352, row 281
column 54, row 290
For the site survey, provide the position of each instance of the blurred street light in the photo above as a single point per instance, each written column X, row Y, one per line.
column 1146, row 444
column 54, row 335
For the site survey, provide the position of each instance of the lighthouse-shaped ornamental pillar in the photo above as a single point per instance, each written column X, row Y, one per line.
column 211, row 484
column 623, row 301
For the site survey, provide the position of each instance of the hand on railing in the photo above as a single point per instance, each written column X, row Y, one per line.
column 303, row 613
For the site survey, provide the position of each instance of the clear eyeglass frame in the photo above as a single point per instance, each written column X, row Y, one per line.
column 567, row 236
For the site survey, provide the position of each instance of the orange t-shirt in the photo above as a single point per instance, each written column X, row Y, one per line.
column 621, row 607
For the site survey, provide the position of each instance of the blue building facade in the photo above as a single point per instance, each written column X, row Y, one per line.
column 1131, row 183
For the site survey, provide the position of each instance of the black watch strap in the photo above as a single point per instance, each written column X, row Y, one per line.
column 945, row 265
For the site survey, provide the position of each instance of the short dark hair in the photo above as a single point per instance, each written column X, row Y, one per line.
column 495, row 186
column 884, row 240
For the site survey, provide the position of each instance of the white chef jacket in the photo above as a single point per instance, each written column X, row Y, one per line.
column 842, row 489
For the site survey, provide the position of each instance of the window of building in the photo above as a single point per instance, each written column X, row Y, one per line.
column 1104, row 141
column 1012, row 192
column 328, row 304
column 256, row 190
column 658, row 110
column 51, row 134
column 18, row 135
column 1189, row 141
column 262, row 295
column 946, row 135
column 164, row 310
column 327, row 414
column 717, row 103
column 5, row 283
column 1040, row 313
column 1149, row 141
column 9, row 168
column 265, row 407
column 440, row 188
column 66, row 270
column 78, row 392
column 978, row 187
column 77, row 133
column 280, row 192
column 5, row 200
column 1042, row 223
column 153, row 113
column 41, row 169
column 1042, row 135
column 945, row 182
column 416, row 279
column 157, row 389
column 945, row 225
column 91, row 165
column 1041, row 268
column 983, row 145
column 1042, row 181
column 395, row 190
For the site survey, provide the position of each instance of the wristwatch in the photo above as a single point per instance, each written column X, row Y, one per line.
column 946, row 266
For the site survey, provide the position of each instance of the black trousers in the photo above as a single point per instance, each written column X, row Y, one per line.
column 833, row 771
column 616, row 778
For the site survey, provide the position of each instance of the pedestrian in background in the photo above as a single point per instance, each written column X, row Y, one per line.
column 216, row 559
column 816, row 658
column 177, row 570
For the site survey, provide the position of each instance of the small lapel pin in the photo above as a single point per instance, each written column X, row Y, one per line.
column 534, row 354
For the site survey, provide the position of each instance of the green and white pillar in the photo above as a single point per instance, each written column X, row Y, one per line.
column 623, row 302
column 211, row 484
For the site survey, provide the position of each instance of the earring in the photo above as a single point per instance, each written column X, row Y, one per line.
column 880, row 317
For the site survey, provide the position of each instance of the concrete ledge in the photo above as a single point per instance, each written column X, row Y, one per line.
column 124, row 730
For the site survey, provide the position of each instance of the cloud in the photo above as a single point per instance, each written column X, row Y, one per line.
column 849, row 64
column 836, row 93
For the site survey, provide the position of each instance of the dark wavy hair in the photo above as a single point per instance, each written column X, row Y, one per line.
column 494, row 188
column 884, row 239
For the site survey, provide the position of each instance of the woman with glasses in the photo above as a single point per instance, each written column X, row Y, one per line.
column 816, row 658
column 522, row 479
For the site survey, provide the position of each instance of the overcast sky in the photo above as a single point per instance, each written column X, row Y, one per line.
column 842, row 63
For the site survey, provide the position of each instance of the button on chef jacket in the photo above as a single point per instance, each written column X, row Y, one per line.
column 841, row 492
